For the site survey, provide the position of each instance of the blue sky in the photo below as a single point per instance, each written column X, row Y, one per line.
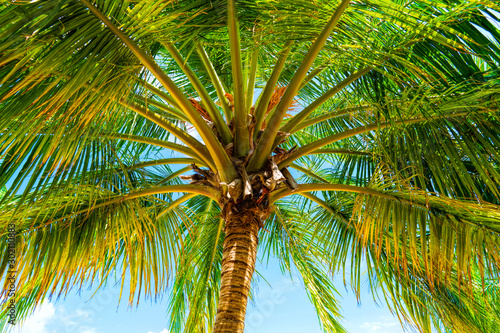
column 281, row 307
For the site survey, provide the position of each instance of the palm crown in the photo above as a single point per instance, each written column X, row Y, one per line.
column 323, row 133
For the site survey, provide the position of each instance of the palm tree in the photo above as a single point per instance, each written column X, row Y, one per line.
column 326, row 134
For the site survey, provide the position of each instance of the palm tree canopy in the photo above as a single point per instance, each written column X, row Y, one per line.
column 359, row 130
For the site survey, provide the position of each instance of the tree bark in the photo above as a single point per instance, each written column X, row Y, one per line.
column 238, row 265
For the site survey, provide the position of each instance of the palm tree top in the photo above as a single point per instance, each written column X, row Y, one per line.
column 155, row 138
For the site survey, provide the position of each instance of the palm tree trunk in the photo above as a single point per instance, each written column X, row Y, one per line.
column 238, row 264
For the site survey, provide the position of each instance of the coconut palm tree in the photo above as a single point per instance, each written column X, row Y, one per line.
column 176, row 140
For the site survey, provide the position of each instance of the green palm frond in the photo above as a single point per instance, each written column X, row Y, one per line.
column 197, row 281
column 453, row 234
column 442, row 306
column 352, row 133
column 294, row 247
column 418, row 299
column 61, row 248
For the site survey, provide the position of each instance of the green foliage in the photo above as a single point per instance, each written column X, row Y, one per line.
column 393, row 135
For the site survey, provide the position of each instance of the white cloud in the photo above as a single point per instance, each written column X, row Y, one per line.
column 376, row 325
column 82, row 313
column 38, row 321
column 91, row 330
column 164, row 331
column 47, row 317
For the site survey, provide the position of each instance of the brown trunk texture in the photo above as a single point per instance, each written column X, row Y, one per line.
column 238, row 264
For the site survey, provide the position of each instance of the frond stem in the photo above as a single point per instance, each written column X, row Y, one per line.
column 176, row 203
column 285, row 191
column 241, row 133
column 308, row 172
column 295, row 120
column 152, row 141
column 187, row 188
column 178, row 114
column 267, row 93
column 323, row 117
column 209, row 68
column 224, row 165
column 189, row 140
column 252, row 75
column 311, row 147
column 312, row 74
column 266, row 142
column 163, row 161
column 202, row 92
column 317, row 200
column 161, row 94
column 173, row 175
